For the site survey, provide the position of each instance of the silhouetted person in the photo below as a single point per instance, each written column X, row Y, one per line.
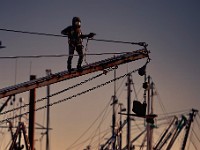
column 75, row 38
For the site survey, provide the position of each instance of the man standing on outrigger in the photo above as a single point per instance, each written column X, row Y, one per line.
column 75, row 39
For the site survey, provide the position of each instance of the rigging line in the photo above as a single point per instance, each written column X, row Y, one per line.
column 61, row 55
column 33, row 33
column 136, row 96
column 123, row 42
column 193, row 143
column 97, row 142
column 85, row 51
column 76, row 85
column 8, row 144
column 198, row 125
column 102, row 119
column 190, row 141
column 122, row 89
column 4, row 115
column 75, row 95
column 69, row 88
column 2, row 141
column 91, row 138
column 83, row 142
column 88, row 127
column 39, row 125
column 198, row 115
column 195, row 135
column 137, row 125
column 159, row 98
column 58, row 35
column 179, row 112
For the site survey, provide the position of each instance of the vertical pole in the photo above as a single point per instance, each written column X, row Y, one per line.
column 128, row 112
column 32, row 115
column 120, row 124
column 20, row 101
column 152, row 96
column 145, row 100
column 48, row 72
column 148, row 113
column 114, row 114
column 152, row 112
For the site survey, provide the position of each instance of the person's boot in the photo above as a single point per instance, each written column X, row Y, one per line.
column 79, row 68
column 69, row 68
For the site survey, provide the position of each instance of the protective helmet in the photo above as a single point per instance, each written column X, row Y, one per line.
column 76, row 22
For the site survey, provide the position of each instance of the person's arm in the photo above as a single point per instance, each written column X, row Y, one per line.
column 91, row 35
column 65, row 31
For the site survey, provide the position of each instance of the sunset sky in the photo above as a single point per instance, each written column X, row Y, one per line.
column 170, row 28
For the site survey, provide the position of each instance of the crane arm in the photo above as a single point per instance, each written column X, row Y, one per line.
column 165, row 135
column 188, row 126
column 180, row 126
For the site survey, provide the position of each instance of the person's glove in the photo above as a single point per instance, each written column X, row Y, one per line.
column 91, row 35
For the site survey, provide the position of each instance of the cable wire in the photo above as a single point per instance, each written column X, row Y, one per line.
column 57, row 35
column 102, row 119
column 73, row 96
column 195, row 134
column 33, row 33
column 54, row 94
column 88, row 127
column 60, row 55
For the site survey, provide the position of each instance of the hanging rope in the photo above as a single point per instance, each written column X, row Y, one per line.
column 86, row 49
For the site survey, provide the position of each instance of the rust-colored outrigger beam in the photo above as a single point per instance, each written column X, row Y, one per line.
column 65, row 75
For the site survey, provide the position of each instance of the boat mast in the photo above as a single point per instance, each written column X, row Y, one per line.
column 48, row 73
column 114, row 113
column 32, row 106
column 129, row 81
column 150, row 95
